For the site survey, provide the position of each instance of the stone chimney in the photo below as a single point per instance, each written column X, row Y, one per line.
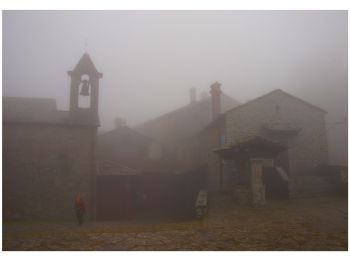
column 215, row 92
column 192, row 95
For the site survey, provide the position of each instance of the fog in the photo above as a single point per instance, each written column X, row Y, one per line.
column 150, row 59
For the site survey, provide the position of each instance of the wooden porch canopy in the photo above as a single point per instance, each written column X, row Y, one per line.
column 255, row 146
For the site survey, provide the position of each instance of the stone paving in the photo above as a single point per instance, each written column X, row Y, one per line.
column 302, row 224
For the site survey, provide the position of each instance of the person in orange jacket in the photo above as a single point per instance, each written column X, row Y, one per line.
column 80, row 209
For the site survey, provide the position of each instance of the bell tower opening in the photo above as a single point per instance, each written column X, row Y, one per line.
column 84, row 88
column 84, row 100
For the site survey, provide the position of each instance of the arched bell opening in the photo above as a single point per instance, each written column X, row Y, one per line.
column 84, row 87
column 84, row 99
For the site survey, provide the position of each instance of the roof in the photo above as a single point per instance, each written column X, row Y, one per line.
column 184, row 109
column 85, row 66
column 237, row 108
column 43, row 111
column 26, row 108
column 125, row 129
column 249, row 144
column 282, row 92
column 184, row 121
column 107, row 167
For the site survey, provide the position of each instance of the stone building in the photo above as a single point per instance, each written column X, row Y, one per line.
column 277, row 133
column 174, row 128
column 125, row 148
column 49, row 156
column 135, row 181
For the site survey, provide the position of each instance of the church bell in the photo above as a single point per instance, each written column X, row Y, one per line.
column 85, row 88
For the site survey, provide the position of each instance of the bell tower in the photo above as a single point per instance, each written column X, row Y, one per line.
column 84, row 87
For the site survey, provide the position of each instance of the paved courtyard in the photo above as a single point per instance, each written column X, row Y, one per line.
column 300, row 224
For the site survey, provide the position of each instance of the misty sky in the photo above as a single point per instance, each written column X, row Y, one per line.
column 150, row 59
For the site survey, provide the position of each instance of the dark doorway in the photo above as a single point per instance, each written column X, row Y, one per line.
column 275, row 186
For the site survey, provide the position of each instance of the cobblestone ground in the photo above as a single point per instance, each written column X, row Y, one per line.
column 302, row 224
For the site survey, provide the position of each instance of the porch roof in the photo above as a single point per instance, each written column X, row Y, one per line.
column 252, row 146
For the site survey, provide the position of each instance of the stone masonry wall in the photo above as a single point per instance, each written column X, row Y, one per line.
column 44, row 167
column 209, row 140
column 306, row 151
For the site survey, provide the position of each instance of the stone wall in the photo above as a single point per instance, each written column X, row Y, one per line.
column 209, row 140
column 174, row 129
column 44, row 167
column 306, row 150
column 124, row 142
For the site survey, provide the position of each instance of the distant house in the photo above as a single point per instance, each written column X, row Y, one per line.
column 135, row 180
column 272, row 145
column 49, row 155
column 125, row 147
column 176, row 126
column 144, row 165
column 277, row 133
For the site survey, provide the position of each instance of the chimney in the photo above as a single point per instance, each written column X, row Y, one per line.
column 215, row 92
column 192, row 95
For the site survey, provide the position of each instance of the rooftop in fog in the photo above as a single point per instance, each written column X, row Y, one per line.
column 43, row 111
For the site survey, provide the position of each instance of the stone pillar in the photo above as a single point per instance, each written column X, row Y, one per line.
column 74, row 92
column 94, row 94
column 257, row 186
